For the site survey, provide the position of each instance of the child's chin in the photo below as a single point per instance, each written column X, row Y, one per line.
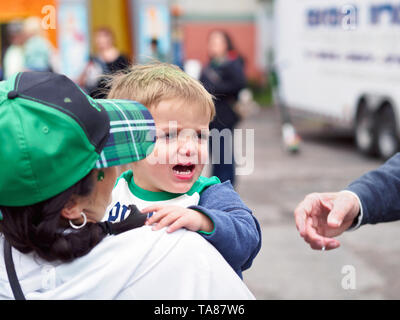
column 181, row 188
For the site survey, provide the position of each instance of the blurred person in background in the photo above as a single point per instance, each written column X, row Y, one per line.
column 156, row 53
column 107, row 60
column 37, row 49
column 14, row 56
column 223, row 77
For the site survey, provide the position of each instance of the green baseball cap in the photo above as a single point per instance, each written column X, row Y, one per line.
column 53, row 134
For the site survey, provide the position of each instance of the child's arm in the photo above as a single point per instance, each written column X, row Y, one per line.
column 236, row 234
column 222, row 218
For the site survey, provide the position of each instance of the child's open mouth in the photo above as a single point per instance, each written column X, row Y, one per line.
column 184, row 171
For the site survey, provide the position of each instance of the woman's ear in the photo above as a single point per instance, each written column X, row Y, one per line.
column 72, row 210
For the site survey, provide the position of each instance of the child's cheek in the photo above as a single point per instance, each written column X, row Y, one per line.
column 166, row 152
column 203, row 153
column 156, row 157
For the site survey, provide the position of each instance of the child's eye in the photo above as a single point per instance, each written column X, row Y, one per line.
column 170, row 135
column 167, row 135
column 202, row 136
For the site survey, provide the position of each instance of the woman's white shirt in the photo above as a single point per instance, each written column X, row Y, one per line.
column 138, row 264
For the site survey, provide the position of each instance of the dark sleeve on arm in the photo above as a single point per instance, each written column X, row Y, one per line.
column 379, row 192
column 236, row 234
column 231, row 79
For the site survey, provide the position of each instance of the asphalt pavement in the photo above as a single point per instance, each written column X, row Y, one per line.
column 366, row 266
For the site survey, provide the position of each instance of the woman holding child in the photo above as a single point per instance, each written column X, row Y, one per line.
column 57, row 171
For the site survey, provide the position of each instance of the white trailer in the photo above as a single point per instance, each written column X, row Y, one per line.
column 340, row 61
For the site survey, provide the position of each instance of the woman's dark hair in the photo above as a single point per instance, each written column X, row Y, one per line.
column 229, row 42
column 230, row 47
column 39, row 228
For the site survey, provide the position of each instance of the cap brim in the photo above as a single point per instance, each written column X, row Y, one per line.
column 132, row 133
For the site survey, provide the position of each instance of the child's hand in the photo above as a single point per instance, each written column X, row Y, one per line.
column 178, row 217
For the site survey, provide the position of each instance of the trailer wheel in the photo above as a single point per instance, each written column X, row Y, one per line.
column 387, row 138
column 365, row 132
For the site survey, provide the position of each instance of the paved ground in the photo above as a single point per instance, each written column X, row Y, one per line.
column 286, row 267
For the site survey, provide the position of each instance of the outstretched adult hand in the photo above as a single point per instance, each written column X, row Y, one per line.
column 322, row 216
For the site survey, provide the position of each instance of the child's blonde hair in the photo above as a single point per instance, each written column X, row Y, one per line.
column 149, row 84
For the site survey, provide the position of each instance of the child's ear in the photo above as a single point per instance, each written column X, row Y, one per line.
column 72, row 210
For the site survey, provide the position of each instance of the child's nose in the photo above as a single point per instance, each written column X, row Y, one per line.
column 188, row 147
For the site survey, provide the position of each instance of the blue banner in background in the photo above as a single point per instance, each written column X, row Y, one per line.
column 73, row 37
column 153, row 24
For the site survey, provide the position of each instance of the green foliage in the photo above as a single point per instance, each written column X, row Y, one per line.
column 262, row 93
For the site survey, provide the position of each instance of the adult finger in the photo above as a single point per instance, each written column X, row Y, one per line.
column 303, row 210
column 311, row 206
column 300, row 217
column 317, row 241
column 343, row 206
column 311, row 236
